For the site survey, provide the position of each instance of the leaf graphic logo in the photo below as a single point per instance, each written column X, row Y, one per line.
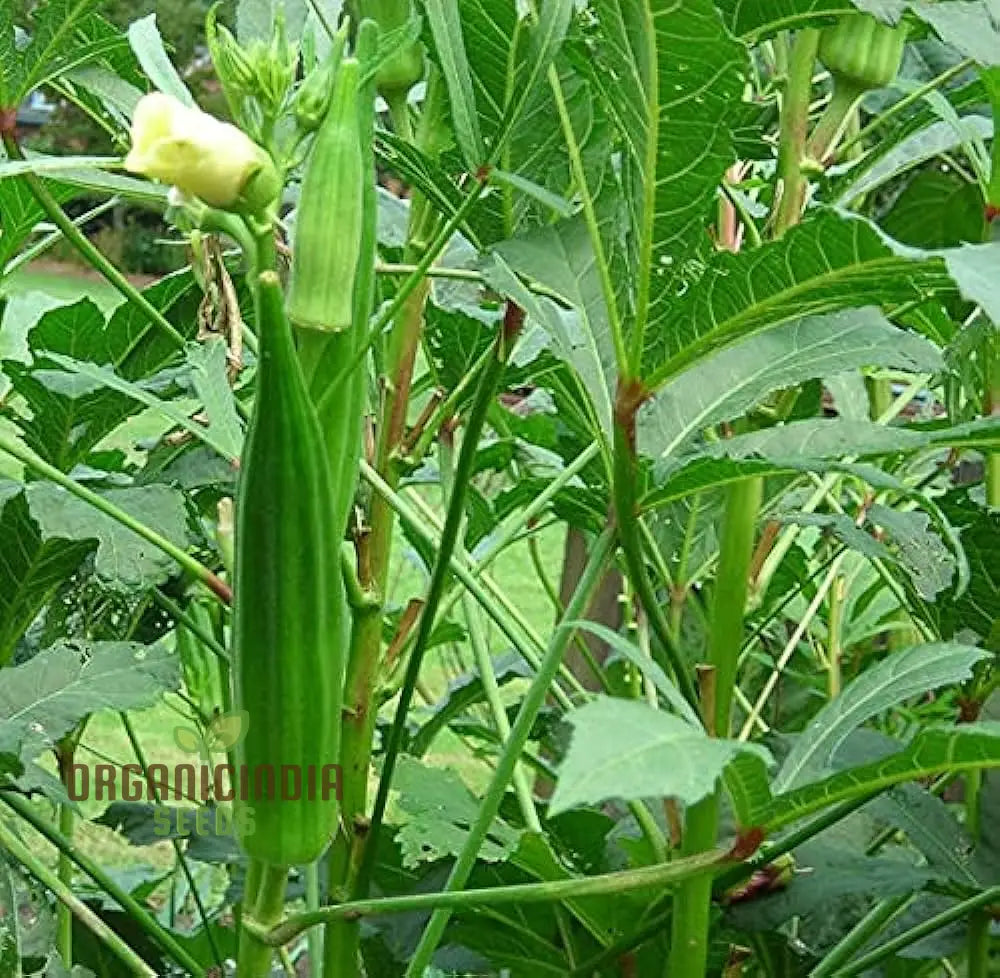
column 224, row 732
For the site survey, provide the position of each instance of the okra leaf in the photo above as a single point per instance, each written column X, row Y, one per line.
column 979, row 608
column 462, row 693
column 124, row 560
column 31, row 571
column 438, row 810
column 970, row 28
column 446, row 25
column 931, row 826
column 725, row 383
column 827, row 887
column 827, row 263
column 909, row 153
column 672, row 76
column 933, row 751
column 892, row 681
column 50, row 693
column 626, row 749
column 54, row 43
column 145, row 40
column 20, row 213
column 561, row 257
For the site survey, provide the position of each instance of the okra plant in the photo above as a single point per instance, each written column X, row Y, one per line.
column 550, row 525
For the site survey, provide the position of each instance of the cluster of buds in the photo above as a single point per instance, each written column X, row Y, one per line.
column 256, row 79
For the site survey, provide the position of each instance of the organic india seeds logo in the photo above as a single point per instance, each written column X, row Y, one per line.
column 207, row 782
column 223, row 733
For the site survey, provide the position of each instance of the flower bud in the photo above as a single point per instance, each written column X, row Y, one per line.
column 200, row 155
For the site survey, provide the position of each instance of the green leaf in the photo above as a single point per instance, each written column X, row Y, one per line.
column 691, row 476
column 20, row 213
column 827, row 263
column 728, row 382
column 646, row 665
column 748, row 786
column 561, row 257
column 69, row 414
column 545, row 39
column 973, row 267
column 144, row 38
column 935, row 750
column 255, row 18
column 756, row 20
column 673, row 77
column 53, row 42
column 970, row 28
column 31, row 571
column 978, row 608
column 908, row 154
column 48, row 695
column 124, row 559
column 916, row 547
column 446, row 25
column 895, row 679
column 930, row 825
column 9, row 95
column 438, row 810
column 829, row 883
column 618, row 750
column 462, row 693
column 937, row 209
column 209, row 363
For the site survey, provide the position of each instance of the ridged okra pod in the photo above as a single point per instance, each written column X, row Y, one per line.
column 290, row 620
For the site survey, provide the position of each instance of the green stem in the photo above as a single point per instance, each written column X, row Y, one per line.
column 64, row 932
column 993, row 408
column 978, row 944
column 16, row 849
column 89, row 252
column 507, row 761
column 554, row 891
column 626, row 473
column 140, row 756
column 860, row 934
column 38, row 465
column 834, row 121
column 906, row 101
column 139, row 915
column 791, row 187
column 484, row 664
column 255, row 956
column 958, row 912
column 181, row 617
column 314, row 940
column 693, row 901
column 509, row 331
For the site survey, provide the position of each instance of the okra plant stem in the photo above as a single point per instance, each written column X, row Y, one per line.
column 507, row 761
column 623, row 881
column 18, row 851
column 509, row 332
column 138, row 914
